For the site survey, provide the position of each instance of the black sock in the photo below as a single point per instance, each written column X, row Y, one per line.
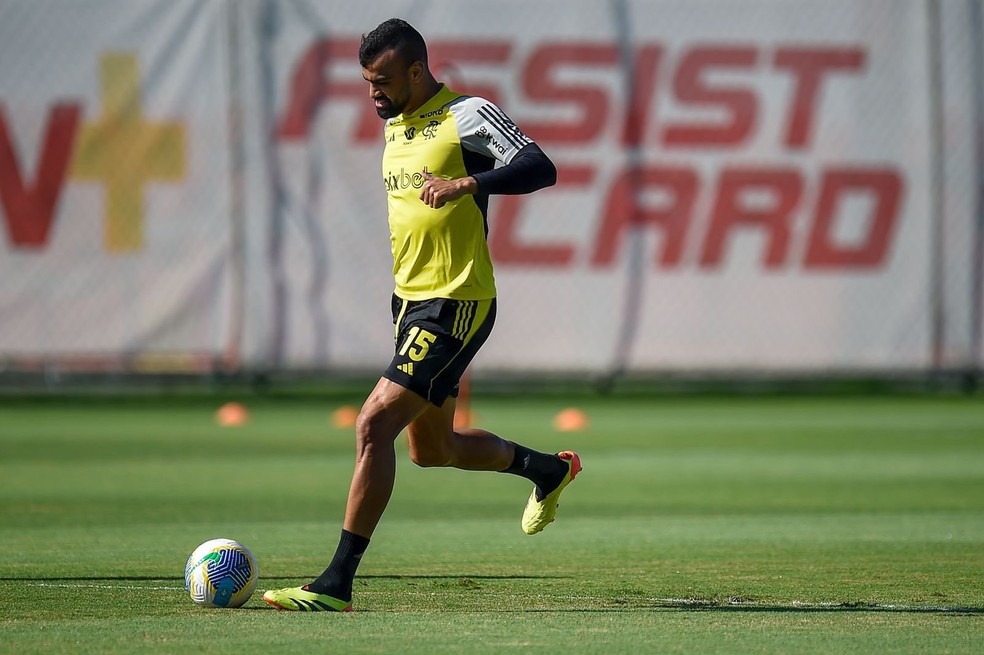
column 543, row 470
column 336, row 581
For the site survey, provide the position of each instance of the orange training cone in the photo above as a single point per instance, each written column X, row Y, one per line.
column 344, row 417
column 570, row 420
column 232, row 414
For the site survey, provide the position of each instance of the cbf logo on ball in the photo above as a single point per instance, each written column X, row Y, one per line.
column 221, row 573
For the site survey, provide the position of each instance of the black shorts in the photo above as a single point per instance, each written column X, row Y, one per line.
column 435, row 341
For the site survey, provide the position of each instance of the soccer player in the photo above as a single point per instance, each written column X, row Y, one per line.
column 438, row 170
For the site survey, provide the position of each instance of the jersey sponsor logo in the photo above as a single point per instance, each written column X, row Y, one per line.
column 430, row 131
column 409, row 133
column 436, row 112
column 406, row 368
column 504, row 125
column 404, row 180
column 483, row 133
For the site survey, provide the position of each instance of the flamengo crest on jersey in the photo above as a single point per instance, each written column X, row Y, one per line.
column 443, row 253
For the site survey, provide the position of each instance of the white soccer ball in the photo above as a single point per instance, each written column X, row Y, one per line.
column 221, row 573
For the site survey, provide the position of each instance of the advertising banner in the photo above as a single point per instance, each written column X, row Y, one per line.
column 742, row 185
column 754, row 186
column 114, row 181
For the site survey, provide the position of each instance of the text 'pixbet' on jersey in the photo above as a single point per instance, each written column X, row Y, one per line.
column 404, row 180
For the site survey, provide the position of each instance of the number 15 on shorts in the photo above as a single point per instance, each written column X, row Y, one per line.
column 417, row 343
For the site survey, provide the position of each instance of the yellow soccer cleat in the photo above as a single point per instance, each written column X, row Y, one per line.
column 298, row 599
column 539, row 514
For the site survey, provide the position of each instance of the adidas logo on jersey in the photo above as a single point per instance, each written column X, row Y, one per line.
column 406, row 368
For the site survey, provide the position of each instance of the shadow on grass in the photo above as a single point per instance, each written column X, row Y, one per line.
column 94, row 578
column 157, row 578
column 444, row 577
column 602, row 605
column 697, row 606
column 619, row 610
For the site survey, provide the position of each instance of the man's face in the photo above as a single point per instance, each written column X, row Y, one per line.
column 390, row 83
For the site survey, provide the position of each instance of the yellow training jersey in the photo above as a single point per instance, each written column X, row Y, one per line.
column 444, row 253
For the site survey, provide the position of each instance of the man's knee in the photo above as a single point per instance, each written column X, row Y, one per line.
column 375, row 426
column 366, row 424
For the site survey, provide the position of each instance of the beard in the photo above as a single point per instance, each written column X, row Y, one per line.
column 389, row 109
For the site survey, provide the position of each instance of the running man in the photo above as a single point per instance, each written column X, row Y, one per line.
column 438, row 171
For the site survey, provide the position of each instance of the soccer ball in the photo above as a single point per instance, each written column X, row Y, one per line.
column 221, row 573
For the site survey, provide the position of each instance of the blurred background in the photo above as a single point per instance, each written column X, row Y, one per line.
column 770, row 190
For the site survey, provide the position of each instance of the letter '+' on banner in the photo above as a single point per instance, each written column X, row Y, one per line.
column 119, row 148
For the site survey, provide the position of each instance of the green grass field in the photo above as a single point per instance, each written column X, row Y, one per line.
column 744, row 525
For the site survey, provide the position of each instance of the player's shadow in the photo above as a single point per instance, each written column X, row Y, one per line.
column 954, row 611
column 449, row 577
column 606, row 606
column 92, row 578
column 157, row 578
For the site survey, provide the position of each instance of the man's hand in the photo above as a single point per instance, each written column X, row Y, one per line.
column 437, row 191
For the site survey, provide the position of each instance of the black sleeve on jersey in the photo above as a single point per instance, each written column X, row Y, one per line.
column 530, row 169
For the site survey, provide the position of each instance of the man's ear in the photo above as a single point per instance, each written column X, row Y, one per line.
column 416, row 71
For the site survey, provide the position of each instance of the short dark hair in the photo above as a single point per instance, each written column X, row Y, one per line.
column 393, row 34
